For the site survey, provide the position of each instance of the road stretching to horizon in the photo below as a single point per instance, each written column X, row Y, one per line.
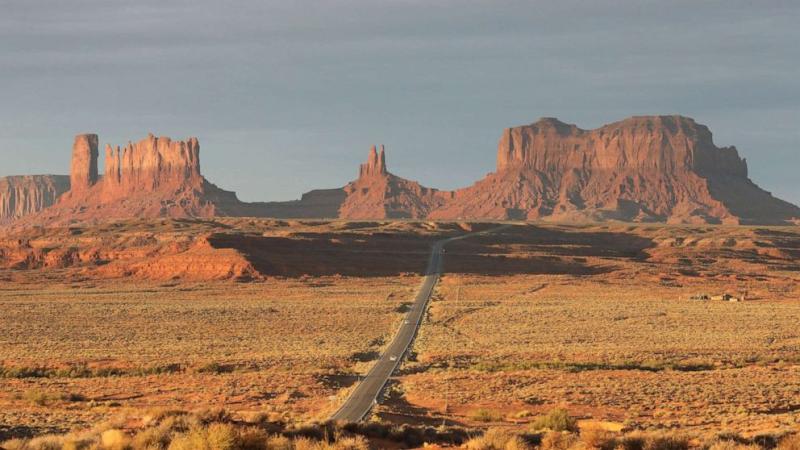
column 365, row 395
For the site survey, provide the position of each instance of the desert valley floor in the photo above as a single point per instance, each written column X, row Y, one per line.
column 114, row 321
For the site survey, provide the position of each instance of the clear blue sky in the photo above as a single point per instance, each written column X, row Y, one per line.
column 286, row 96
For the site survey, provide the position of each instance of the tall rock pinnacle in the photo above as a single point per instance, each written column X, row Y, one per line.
column 375, row 165
column 83, row 173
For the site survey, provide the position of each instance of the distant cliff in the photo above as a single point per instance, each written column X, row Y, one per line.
column 647, row 168
column 155, row 177
column 28, row 194
column 641, row 169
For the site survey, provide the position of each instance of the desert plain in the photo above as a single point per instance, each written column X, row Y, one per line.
column 625, row 326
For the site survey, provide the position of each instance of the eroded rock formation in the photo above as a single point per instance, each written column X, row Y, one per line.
column 378, row 194
column 648, row 168
column 643, row 169
column 83, row 172
column 28, row 194
column 155, row 177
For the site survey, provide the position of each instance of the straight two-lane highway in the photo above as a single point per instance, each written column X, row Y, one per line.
column 365, row 395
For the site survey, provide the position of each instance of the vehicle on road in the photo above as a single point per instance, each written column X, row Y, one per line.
column 393, row 358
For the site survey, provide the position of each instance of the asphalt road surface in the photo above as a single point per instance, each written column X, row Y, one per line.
column 365, row 395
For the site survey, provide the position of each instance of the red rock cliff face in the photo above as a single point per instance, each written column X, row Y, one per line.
column 643, row 169
column 83, row 173
column 663, row 143
column 150, row 165
column 28, row 194
column 651, row 168
column 155, row 177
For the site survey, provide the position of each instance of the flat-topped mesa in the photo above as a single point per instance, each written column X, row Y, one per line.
column 663, row 143
column 144, row 166
column 375, row 165
column 83, row 172
column 155, row 177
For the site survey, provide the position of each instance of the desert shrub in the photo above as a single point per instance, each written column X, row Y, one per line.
column 216, row 368
column 497, row 439
column 222, row 436
column 732, row 445
column 74, row 397
column 556, row 420
column 152, row 438
column 278, row 442
column 76, row 444
column 217, row 436
column 194, row 439
column 634, row 441
column 47, row 442
column 159, row 414
column 213, row 415
column 114, row 439
column 38, row 397
column 791, row 442
column 14, row 444
column 257, row 418
column 485, row 415
column 253, row 439
column 666, row 442
column 314, row 431
column 351, row 443
column 370, row 429
column 411, row 436
column 598, row 438
column 305, row 443
column 767, row 440
column 557, row 440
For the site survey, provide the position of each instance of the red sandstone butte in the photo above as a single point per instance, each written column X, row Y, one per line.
column 641, row 169
column 379, row 194
column 155, row 177
column 644, row 169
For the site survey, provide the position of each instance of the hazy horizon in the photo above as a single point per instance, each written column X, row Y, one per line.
column 289, row 97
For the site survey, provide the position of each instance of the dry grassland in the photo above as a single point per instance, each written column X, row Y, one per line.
column 284, row 347
column 597, row 319
column 609, row 331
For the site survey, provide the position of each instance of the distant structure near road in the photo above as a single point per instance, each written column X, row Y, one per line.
column 724, row 297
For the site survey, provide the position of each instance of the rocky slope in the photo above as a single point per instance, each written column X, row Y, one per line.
column 28, row 194
column 648, row 168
